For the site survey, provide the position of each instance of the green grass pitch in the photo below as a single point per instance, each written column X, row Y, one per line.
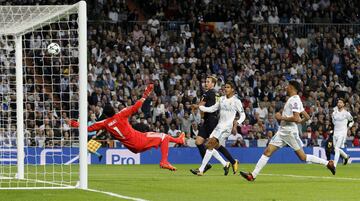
column 149, row 182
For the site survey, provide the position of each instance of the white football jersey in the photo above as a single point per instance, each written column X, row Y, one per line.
column 228, row 108
column 341, row 120
column 293, row 104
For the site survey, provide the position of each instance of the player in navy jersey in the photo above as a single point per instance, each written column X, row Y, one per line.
column 210, row 122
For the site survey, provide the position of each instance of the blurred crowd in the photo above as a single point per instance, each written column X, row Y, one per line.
column 258, row 59
column 256, row 11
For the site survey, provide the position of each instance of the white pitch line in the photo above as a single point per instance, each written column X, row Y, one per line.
column 313, row 177
column 115, row 195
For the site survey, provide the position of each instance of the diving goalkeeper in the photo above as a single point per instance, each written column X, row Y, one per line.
column 119, row 127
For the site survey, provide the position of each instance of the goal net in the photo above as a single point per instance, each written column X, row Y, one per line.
column 38, row 92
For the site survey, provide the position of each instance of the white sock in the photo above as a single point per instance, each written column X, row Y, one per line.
column 342, row 153
column 260, row 165
column 219, row 158
column 206, row 159
column 337, row 156
column 314, row 159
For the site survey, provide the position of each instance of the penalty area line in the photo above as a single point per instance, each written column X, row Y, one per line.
column 313, row 177
column 115, row 195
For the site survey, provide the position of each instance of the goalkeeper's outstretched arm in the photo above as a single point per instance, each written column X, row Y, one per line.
column 95, row 127
column 134, row 108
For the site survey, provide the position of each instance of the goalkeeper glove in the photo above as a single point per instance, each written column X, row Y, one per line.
column 74, row 123
column 148, row 90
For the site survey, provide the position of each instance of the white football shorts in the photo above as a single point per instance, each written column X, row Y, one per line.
column 283, row 138
column 219, row 133
column 339, row 140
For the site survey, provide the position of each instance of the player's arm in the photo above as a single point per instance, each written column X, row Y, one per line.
column 350, row 120
column 294, row 118
column 134, row 108
column 306, row 117
column 240, row 110
column 296, row 109
column 210, row 109
column 94, row 127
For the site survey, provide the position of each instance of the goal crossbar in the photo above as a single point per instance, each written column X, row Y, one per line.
column 35, row 17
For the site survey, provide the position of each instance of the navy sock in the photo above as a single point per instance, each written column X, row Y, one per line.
column 202, row 150
column 226, row 153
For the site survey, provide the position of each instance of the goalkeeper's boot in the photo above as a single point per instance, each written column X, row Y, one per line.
column 226, row 168
column 235, row 166
column 247, row 175
column 346, row 160
column 167, row 165
column 331, row 167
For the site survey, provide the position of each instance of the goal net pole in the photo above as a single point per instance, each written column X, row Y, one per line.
column 19, row 107
column 83, row 95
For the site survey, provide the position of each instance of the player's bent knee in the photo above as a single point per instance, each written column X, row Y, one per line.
column 212, row 143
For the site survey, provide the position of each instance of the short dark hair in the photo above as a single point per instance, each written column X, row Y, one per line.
column 296, row 85
column 108, row 110
column 230, row 83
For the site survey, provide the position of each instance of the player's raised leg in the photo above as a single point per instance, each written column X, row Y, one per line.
column 178, row 140
column 161, row 139
column 313, row 159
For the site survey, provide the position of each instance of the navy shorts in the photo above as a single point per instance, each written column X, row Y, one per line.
column 207, row 128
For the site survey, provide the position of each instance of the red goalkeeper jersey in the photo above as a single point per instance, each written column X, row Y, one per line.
column 119, row 127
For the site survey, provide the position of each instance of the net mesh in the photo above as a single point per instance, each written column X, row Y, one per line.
column 51, row 94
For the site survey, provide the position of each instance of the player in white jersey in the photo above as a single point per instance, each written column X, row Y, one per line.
column 228, row 106
column 342, row 120
column 288, row 134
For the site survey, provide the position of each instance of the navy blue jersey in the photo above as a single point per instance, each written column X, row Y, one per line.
column 210, row 98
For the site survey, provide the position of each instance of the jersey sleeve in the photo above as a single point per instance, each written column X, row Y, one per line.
column 94, row 127
column 128, row 111
column 296, row 106
column 350, row 120
column 97, row 126
column 209, row 97
column 240, row 110
column 210, row 109
column 205, row 97
column 333, row 117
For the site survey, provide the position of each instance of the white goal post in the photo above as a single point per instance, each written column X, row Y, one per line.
column 38, row 91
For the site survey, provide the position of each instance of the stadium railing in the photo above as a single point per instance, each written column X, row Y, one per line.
column 128, row 26
column 300, row 30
